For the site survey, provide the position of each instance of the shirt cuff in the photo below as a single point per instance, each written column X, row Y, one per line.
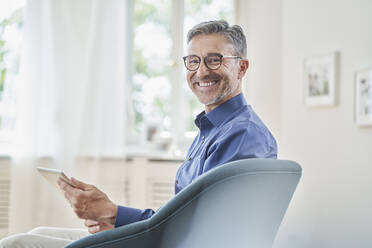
column 126, row 215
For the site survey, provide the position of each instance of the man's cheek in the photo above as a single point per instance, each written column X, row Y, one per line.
column 189, row 83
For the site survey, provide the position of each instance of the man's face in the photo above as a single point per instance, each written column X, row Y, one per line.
column 213, row 87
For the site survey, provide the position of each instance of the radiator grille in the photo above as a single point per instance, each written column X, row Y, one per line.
column 160, row 190
column 4, row 203
column 4, row 197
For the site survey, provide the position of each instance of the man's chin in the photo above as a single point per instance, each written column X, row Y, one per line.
column 210, row 101
column 215, row 101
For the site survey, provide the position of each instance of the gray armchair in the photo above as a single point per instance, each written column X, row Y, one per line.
column 239, row 204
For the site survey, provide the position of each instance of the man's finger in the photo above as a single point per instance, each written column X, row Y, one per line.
column 62, row 184
column 67, row 189
column 94, row 229
column 90, row 223
column 80, row 185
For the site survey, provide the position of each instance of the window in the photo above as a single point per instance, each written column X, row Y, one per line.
column 161, row 100
column 152, row 46
column 11, row 23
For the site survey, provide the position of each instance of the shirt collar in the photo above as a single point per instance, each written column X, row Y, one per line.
column 220, row 113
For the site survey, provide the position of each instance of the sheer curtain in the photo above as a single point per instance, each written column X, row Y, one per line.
column 70, row 100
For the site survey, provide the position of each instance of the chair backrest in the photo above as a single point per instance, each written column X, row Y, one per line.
column 239, row 204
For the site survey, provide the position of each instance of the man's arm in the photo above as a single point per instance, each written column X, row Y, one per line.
column 126, row 215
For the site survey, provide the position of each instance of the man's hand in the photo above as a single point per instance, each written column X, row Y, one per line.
column 89, row 203
column 95, row 226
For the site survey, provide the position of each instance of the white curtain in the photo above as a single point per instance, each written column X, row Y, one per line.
column 70, row 100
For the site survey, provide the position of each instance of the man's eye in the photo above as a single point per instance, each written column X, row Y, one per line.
column 213, row 60
column 194, row 61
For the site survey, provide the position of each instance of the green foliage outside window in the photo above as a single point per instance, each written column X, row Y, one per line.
column 9, row 59
column 147, row 67
column 16, row 18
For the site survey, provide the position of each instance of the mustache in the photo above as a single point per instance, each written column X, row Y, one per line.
column 210, row 77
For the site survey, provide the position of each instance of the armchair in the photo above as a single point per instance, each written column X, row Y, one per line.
column 239, row 204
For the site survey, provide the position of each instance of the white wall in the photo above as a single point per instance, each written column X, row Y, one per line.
column 332, row 205
column 262, row 81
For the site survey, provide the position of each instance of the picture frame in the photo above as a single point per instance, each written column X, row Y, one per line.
column 363, row 97
column 320, row 76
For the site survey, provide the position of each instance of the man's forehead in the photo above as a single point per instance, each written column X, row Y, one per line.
column 204, row 44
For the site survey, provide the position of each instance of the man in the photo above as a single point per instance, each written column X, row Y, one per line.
column 228, row 128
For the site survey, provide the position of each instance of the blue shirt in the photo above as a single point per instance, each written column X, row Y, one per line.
column 229, row 132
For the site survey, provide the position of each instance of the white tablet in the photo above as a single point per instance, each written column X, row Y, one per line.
column 52, row 175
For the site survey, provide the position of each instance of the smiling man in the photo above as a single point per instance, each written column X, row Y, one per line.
column 228, row 130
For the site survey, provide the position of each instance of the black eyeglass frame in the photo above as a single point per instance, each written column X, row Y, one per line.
column 205, row 62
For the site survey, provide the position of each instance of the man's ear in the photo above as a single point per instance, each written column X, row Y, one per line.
column 243, row 66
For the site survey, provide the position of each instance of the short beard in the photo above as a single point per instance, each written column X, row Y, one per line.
column 227, row 91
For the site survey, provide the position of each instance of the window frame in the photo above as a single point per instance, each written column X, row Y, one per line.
column 181, row 138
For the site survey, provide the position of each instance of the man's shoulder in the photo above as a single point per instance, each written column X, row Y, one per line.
column 244, row 136
column 243, row 127
column 246, row 127
column 244, row 120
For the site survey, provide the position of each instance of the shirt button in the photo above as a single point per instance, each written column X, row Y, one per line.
column 190, row 158
column 177, row 182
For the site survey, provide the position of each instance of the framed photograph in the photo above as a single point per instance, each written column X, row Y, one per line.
column 363, row 97
column 320, row 75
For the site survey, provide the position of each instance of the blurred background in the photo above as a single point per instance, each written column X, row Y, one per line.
column 98, row 89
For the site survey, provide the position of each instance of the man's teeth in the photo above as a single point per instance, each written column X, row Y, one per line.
column 207, row 84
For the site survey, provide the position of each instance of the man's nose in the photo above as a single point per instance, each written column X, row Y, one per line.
column 202, row 70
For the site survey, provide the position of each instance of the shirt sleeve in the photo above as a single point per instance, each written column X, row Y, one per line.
column 126, row 215
column 240, row 142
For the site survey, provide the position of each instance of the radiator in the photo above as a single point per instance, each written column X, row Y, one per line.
column 4, row 196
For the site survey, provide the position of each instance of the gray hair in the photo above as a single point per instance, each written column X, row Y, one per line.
column 234, row 34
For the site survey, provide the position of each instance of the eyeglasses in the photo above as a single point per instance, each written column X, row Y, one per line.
column 212, row 61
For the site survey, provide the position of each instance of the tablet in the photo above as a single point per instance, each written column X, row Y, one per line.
column 51, row 175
